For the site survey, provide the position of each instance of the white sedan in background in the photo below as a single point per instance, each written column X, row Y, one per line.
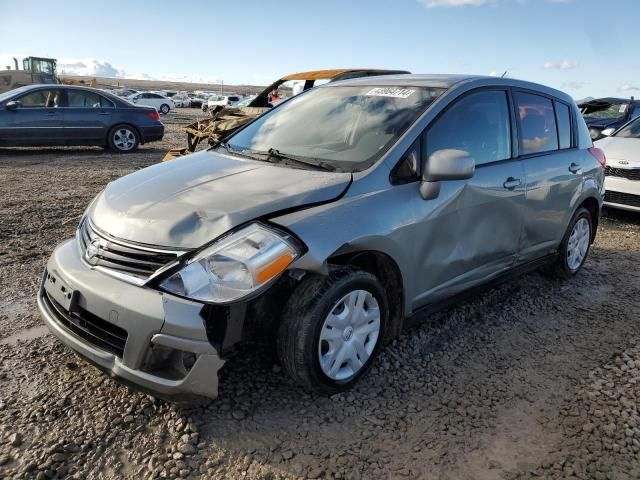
column 622, row 180
column 225, row 101
column 181, row 101
column 162, row 104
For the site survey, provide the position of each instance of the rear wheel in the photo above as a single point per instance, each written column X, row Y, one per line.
column 123, row 139
column 332, row 329
column 164, row 109
column 575, row 245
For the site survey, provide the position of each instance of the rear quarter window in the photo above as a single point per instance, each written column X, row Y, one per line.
column 563, row 119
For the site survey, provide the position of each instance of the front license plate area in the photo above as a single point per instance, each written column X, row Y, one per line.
column 61, row 292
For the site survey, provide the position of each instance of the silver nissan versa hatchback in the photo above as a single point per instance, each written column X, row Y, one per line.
column 322, row 225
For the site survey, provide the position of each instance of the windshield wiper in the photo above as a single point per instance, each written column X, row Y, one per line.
column 274, row 155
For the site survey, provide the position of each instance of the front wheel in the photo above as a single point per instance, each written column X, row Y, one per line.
column 575, row 245
column 164, row 109
column 332, row 329
column 123, row 139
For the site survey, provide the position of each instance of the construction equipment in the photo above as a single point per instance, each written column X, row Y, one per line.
column 89, row 82
column 34, row 70
column 225, row 120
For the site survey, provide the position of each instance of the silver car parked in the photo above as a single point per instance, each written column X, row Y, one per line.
column 324, row 224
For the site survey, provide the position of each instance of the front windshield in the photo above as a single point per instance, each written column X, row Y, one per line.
column 611, row 111
column 631, row 130
column 347, row 127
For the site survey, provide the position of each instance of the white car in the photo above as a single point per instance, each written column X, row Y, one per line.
column 246, row 101
column 181, row 101
column 162, row 104
column 226, row 101
column 622, row 175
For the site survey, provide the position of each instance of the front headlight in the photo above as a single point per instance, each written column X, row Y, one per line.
column 235, row 266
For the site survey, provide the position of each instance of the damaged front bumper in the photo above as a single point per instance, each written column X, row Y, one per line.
column 151, row 339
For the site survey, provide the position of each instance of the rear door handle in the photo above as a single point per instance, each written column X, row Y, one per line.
column 511, row 183
column 574, row 168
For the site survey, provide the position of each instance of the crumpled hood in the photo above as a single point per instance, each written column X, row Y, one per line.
column 190, row 201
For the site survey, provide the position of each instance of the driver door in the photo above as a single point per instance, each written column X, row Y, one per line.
column 38, row 120
column 471, row 231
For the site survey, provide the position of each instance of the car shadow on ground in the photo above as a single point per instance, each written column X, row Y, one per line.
column 623, row 216
column 90, row 151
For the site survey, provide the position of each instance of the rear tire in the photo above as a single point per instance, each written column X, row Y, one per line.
column 575, row 245
column 332, row 329
column 164, row 109
column 123, row 139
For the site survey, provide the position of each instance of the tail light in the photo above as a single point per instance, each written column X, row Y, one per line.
column 599, row 155
column 155, row 115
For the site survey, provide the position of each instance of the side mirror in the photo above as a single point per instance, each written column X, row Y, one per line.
column 448, row 164
column 442, row 165
column 12, row 106
column 607, row 132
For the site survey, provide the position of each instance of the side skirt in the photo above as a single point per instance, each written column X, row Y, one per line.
column 419, row 315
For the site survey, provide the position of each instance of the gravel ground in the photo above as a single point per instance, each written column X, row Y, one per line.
column 536, row 378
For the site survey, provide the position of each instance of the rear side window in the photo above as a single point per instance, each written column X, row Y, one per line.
column 563, row 118
column 478, row 124
column 537, row 123
column 79, row 99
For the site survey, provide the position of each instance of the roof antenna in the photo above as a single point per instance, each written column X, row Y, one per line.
column 504, row 74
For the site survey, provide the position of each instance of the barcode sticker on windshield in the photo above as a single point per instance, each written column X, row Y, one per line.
column 390, row 92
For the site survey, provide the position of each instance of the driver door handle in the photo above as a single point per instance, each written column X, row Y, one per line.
column 511, row 183
column 574, row 168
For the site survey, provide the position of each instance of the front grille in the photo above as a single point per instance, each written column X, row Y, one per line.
column 122, row 257
column 631, row 174
column 622, row 198
column 86, row 325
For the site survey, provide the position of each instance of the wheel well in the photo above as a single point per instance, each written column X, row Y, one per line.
column 387, row 271
column 128, row 125
column 593, row 206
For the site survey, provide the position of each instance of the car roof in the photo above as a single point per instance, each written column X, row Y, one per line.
column 447, row 81
column 335, row 72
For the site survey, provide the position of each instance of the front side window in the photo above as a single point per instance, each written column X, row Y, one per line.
column 631, row 130
column 478, row 124
column 41, row 99
column 347, row 127
column 537, row 123
column 80, row 99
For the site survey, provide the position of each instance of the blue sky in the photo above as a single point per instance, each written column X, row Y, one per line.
column 585, row 47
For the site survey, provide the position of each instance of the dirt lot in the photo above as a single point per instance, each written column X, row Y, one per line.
column 537, row 378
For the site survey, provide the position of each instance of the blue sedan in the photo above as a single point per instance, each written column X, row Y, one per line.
column 62, row 115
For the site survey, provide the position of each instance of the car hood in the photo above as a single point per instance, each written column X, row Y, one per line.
column 620, row 148
column 190, row 201
column 602, row 122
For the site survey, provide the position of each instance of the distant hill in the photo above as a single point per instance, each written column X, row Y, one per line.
column 104, row 82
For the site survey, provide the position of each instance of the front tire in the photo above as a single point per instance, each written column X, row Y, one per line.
column 575, row 245
column 164, row 109
column 332, row 328
column 123, row 139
